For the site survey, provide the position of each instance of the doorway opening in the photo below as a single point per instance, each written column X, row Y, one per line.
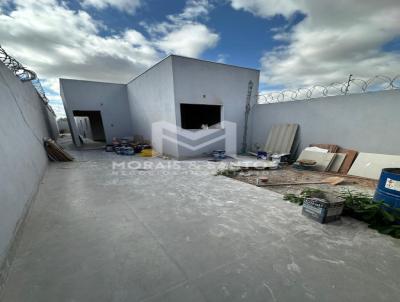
column 92, row 123
column 194, row 116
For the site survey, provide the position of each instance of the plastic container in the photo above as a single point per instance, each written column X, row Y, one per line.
column 322, row 210
column 388, row 189
column 219, row 154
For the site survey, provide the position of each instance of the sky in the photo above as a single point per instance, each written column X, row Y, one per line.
column 294, row 43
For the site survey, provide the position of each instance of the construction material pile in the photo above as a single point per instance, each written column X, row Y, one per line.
column 326, row 158
column 345, row 167
column 55, row 152
column 130, row 146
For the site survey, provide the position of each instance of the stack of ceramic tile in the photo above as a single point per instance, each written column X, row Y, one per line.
column 370, row 165
column 331, row 158
column 322, row 157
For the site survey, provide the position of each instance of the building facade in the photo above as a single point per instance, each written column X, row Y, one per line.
column 193, row 95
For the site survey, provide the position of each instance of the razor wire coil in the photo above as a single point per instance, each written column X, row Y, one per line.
column 24, row 74
column 352, row 86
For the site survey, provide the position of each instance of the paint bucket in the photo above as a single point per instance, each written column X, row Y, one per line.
column 115, row 141
column 129, row 151
column 147, row 153
column 219, row 154
column 262, row 155
column 388, row 189
column 276, row 158
column 138, row 148
column 109, row 148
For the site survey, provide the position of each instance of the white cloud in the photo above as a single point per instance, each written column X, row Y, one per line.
column 194, row 9
column 58, row 109
column 337, row 38
column 182, row 33
column 52, row 86
column 268, row 8
column 221, row 58
column 129, row 6
column 189, row 40
column 56, row 41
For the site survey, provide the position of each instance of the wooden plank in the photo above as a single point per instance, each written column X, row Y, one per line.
column 55, row 151
column 351, row 155
column 329, row 180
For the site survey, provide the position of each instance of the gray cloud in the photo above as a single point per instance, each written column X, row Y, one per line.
column 56, row 41
column 183, row 34
column 129, row 6
column 337, row 38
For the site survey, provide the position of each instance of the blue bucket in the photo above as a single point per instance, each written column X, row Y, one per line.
column 388, row 189
column 219, row 154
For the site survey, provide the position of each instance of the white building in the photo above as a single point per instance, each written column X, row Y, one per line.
column 185, row 92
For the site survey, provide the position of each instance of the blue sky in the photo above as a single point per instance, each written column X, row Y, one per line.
column 294, row 43
column 243, row 37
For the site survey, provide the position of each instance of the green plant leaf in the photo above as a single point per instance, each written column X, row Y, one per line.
column 389, row 217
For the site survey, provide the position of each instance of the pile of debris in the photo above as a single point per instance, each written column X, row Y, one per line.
column 332, row 158
column 327, row 167
column 130, row 146
column 55, row 152
column 282, row 145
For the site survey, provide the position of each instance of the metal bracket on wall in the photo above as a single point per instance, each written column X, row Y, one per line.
column 246, row 116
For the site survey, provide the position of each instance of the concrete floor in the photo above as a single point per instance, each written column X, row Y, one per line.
column 155, row 234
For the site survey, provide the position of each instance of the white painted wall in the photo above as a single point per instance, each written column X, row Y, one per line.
column 63, row 125
column 110, row 99
column 367, row 122
column 151, row 99
column 24, row 121
column 51, row 120
column 221, row 84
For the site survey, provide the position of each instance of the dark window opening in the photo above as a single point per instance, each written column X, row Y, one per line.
column 197, row 116
column 96, row 123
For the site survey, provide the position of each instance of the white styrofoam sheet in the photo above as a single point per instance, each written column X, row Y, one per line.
column 370, row 165
column 316, row 149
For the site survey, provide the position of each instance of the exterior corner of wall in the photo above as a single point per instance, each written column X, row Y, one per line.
column 70, row 116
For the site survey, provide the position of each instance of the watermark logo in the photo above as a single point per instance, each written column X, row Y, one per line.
column 170, row 138
column 167, row 138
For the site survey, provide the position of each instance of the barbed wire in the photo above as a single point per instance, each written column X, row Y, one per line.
column 24, row 74
column 36, row 83
column 351, row 86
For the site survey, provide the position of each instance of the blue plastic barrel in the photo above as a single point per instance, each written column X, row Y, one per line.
column 388, row 189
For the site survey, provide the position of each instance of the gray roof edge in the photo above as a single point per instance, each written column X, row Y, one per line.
column 148, row 69
column 159, row 62
column 91, row 81
column 189, row 58
column 212, row 62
